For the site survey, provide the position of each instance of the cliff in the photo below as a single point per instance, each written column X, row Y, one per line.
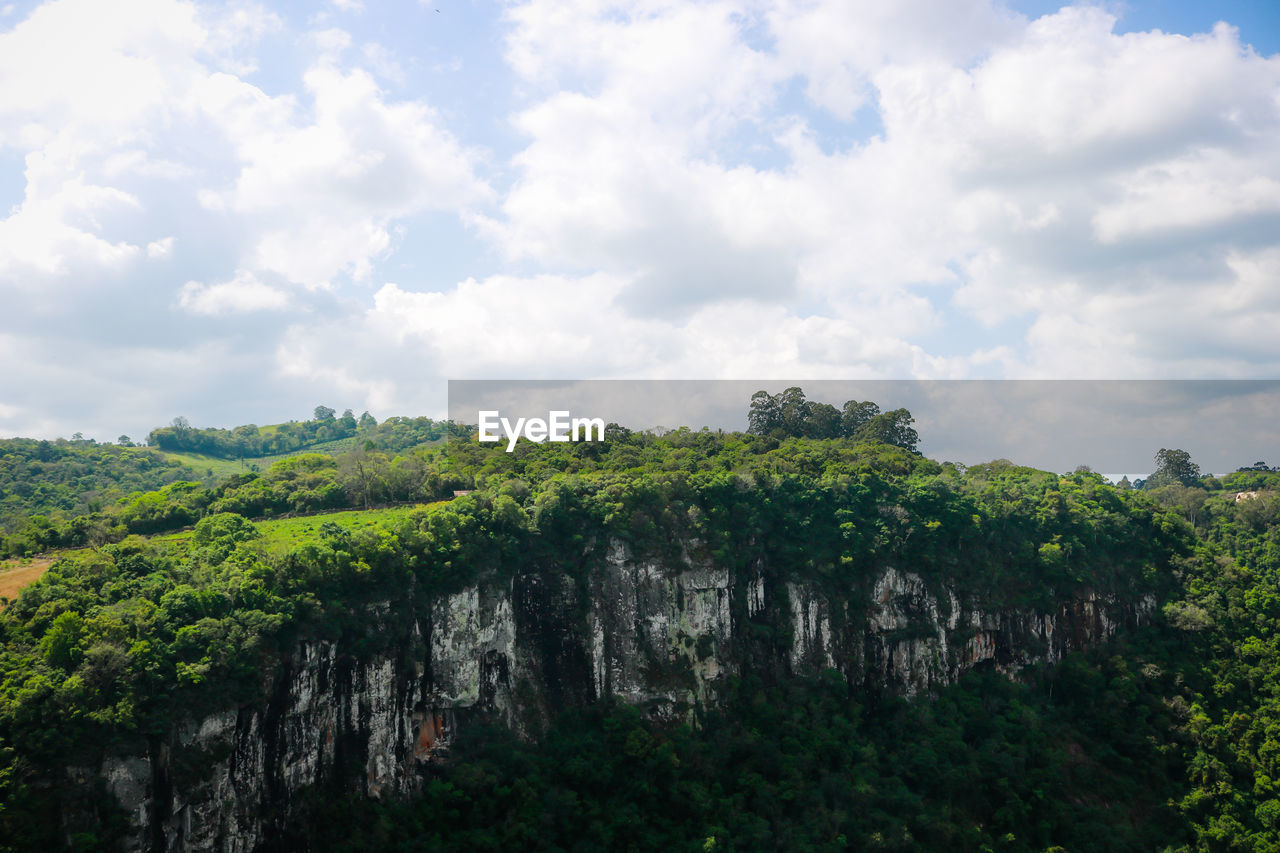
column 662, row 636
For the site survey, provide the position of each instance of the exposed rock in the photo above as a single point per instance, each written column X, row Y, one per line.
column 660, row 636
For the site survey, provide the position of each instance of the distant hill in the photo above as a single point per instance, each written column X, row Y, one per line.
column 325, row 432
column 72, row 492
column 69, row 478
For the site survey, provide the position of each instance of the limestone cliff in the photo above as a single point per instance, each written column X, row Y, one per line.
column 663, row 636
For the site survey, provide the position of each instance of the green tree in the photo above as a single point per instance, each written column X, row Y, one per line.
column 1187, row 501
column 892, row 428
column 824, row 421
column 1173, row 467
column 764, row 415
column 62, row 644
column 855, row 416
column 793, row 410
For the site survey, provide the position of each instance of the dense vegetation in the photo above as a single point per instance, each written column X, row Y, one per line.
column 987, row 765
column 46, row 485
column 789, row 413
column 69, row 494
column 1169, row 739
column 326, row 427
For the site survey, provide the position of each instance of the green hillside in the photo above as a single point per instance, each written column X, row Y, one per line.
column 1164, row 740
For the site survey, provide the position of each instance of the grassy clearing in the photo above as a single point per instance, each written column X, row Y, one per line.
column 212, row 466
column 220, row 469
column 16, row 574
column 217, row 469
column 280, row 535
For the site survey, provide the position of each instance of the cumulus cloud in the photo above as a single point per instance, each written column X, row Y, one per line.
column 645, row 188
column 1200, row 190
column 243, row 293
column 155, row 156
column 553, row 326
column 324, row 191
column 1051, row 169
column 838, row 48
column 54, row 232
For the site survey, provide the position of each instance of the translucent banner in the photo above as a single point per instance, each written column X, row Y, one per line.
column 1114, row 427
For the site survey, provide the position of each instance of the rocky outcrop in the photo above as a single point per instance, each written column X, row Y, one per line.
column 659, row 636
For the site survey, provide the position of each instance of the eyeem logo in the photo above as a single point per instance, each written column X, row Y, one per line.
column 557, row 427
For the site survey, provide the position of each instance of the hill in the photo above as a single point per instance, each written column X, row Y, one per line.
column 58, row 494
column 325, row 433
column 694, row 641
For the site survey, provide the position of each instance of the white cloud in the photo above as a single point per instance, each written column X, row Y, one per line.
column 1204, row 188
column 382, row 62
column 331, row 42
column 80, row 68
column 1213, row 328
column 1024, row 166
column 550, row 326
column 53, row 233
column 160, row 248
column 719, row 188
column 314, row 185
column 838, row 46
column 241, row 294
column 326, row 191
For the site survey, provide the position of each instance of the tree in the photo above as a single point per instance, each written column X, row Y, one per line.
column 367, row 421
column 824, row 421
column 1173, row 467
column 324, row 413
column 764, row 416
column 1185, row 500
column 361, row 472
column 892, row 428
column 124, row 441
column 793, row 410
column 855, row 416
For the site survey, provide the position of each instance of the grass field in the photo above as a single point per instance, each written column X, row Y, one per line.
column 281, row 535
column 220, row 469
column 212, row 466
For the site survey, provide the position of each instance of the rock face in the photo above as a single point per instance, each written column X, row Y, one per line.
column 661, row 637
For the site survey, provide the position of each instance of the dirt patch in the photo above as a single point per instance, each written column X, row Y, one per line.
column 14, row 575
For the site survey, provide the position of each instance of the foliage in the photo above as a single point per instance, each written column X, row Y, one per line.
column 1166, row 740
column 44, row 485
column 1173, row 467
column 790, row 414
column 325, row 428
column 989, row 764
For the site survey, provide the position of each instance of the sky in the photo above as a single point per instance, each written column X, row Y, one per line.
column 234, row 212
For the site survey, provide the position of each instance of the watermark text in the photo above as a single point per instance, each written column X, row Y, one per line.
column 558, row 426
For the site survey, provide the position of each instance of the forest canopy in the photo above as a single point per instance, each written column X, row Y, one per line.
column 789, row 414
column 1164, row 740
